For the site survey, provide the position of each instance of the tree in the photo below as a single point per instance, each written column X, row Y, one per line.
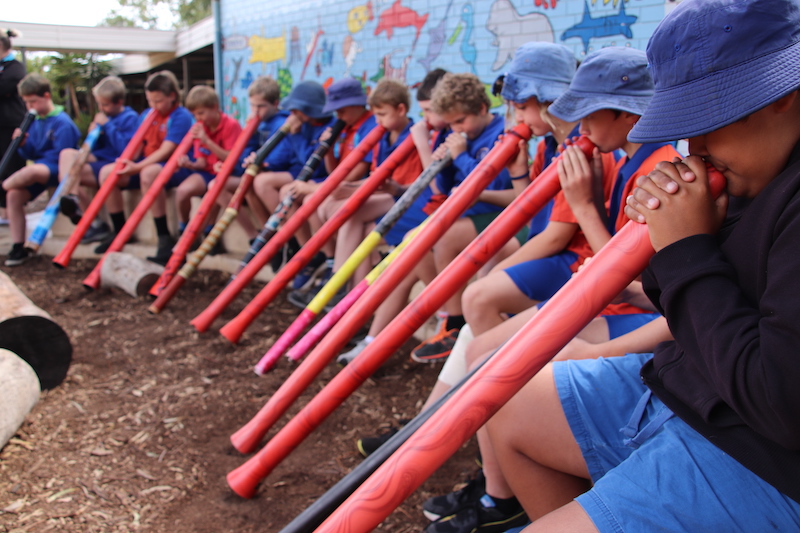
column 149, row 13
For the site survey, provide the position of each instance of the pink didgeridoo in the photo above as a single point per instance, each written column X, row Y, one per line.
column 203, row 321
column 246, row 478
column 92, row 281
column 510, row 368
column 207, row 203
column 62, row 259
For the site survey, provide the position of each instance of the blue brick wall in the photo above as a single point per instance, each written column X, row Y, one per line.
column 294, row 40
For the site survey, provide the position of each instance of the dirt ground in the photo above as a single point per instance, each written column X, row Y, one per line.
column 137, row 437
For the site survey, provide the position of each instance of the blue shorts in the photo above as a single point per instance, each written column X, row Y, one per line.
column 38, row 188
column 619, row 325
column 541, row 278
column 178, row 176
column 668, row 477
column 96, row 166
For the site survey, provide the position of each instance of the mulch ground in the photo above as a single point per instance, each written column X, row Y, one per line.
column 137, row 437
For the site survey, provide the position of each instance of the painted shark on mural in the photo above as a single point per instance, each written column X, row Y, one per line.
column 399, row 16
column 591, row 28
column 511, row 30
column 437, row 36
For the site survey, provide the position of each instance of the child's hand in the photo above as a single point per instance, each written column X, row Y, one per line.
column 519, row 165
column 184, row 161
column 17, row 133
column 199, row 132
column 440, row 152
column 101, row 119
column 578, row 175
column 297, row 188
column 675, row 202
column 295, row 124
column 217, row 167
column 129, row 168
column 456, row 144
column 420, row 132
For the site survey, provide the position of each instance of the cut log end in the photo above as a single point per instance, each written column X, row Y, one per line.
column 40, row 342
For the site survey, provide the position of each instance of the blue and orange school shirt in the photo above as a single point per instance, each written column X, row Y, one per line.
column 172, row 127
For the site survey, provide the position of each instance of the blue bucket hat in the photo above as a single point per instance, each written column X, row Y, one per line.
column 610, row 78
column 538, row 69
column 717, row 61
column 308, row 97
column 344, row 93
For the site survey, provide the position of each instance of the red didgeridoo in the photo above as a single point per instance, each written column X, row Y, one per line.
column 63, row 257
column 234, row 329
column 92, row 281
column 246, row 478
column 510, row 368
column 209, row 198
column 203, row 321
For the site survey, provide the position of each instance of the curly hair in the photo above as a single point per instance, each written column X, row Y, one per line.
column 460, row 93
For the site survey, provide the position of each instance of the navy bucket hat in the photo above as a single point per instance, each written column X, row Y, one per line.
column 610, row 78
column 308, row 97
column 538, row 69
column 344, row 93
column 717, row 61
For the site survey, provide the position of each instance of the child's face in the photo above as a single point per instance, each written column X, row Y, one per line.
column 470, row 124
column 161, row 102
column 390, row 117
column 530, row 114
column 606, row 129
column 207, row 115
column 260, row 107
column 434, row 120
column 350, row 114
column 42, row 105
column 108, row 106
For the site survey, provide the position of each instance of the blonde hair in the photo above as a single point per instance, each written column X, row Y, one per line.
column 202, row 96
column 459, row 92
column 389, row 92
column 165, row 83
column 110, row 87
column 33, row 84
column 266, row 88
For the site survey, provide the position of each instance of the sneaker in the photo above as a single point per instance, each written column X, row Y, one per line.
column 437, row 507
column 286, row 253
column 301, row 299
column 17, row 256
column 305, row 279
column 346, row 357
column 105, row 243
column 368, row 445
column 437, row 348
column 70, row 208
column 97, row 232
column 480, row 517
column 336, row 298
column 164, row 250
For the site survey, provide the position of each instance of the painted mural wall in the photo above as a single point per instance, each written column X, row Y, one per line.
column 326, row 40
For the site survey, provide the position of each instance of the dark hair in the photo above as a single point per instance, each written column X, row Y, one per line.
column 164, row 82
column 33, row 85
column 428, row 83
column 5, row 37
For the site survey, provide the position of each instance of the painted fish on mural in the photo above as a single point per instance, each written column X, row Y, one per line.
column 267, row 49
column 468, row 50
column 311, row 47
column 511, row 30
column 398, row 16
column 608, row 26
column 358, row 17
column 551, row 3
column 350, row 49
column 436, row 39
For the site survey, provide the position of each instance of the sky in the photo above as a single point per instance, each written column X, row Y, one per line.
column 81, row 13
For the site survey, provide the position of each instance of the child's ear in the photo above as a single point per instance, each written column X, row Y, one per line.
column 784, row 104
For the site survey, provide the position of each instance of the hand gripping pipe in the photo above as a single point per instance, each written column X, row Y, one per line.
column 39, row 233
column 219, row 228
column 277, row 218
column 92, row 281
column 245, row 479
column 329, row 290
column 209, row 199
column 332, row 317
column 511, row 367
column 62, row 259
column 233, row 330
column 203, row 321
column 24, row 126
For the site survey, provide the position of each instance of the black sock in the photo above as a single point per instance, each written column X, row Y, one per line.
column 505, row 505
column 454, row 322
column 117, row 220
column 161, row 225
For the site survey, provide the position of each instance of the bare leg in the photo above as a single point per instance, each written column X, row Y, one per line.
column 192, row 186
column 452, row 243
column 114, row 203
column 569, row 519
column 15, row 210
column 267, row 187
column 487, row 301
column 148, row 176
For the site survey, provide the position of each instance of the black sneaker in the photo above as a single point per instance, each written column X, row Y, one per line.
column 105, row 243
column 70, row 208
column 317, row 267
column 18, row 255
column 301, row 299
column 284, row 255
column 437, row 507
column 164, row 250
column 478, row 518
column 368, row 445
column 97, row 232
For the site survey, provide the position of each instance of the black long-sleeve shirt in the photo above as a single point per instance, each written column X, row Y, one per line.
column 12, row 108
column 733, row 305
